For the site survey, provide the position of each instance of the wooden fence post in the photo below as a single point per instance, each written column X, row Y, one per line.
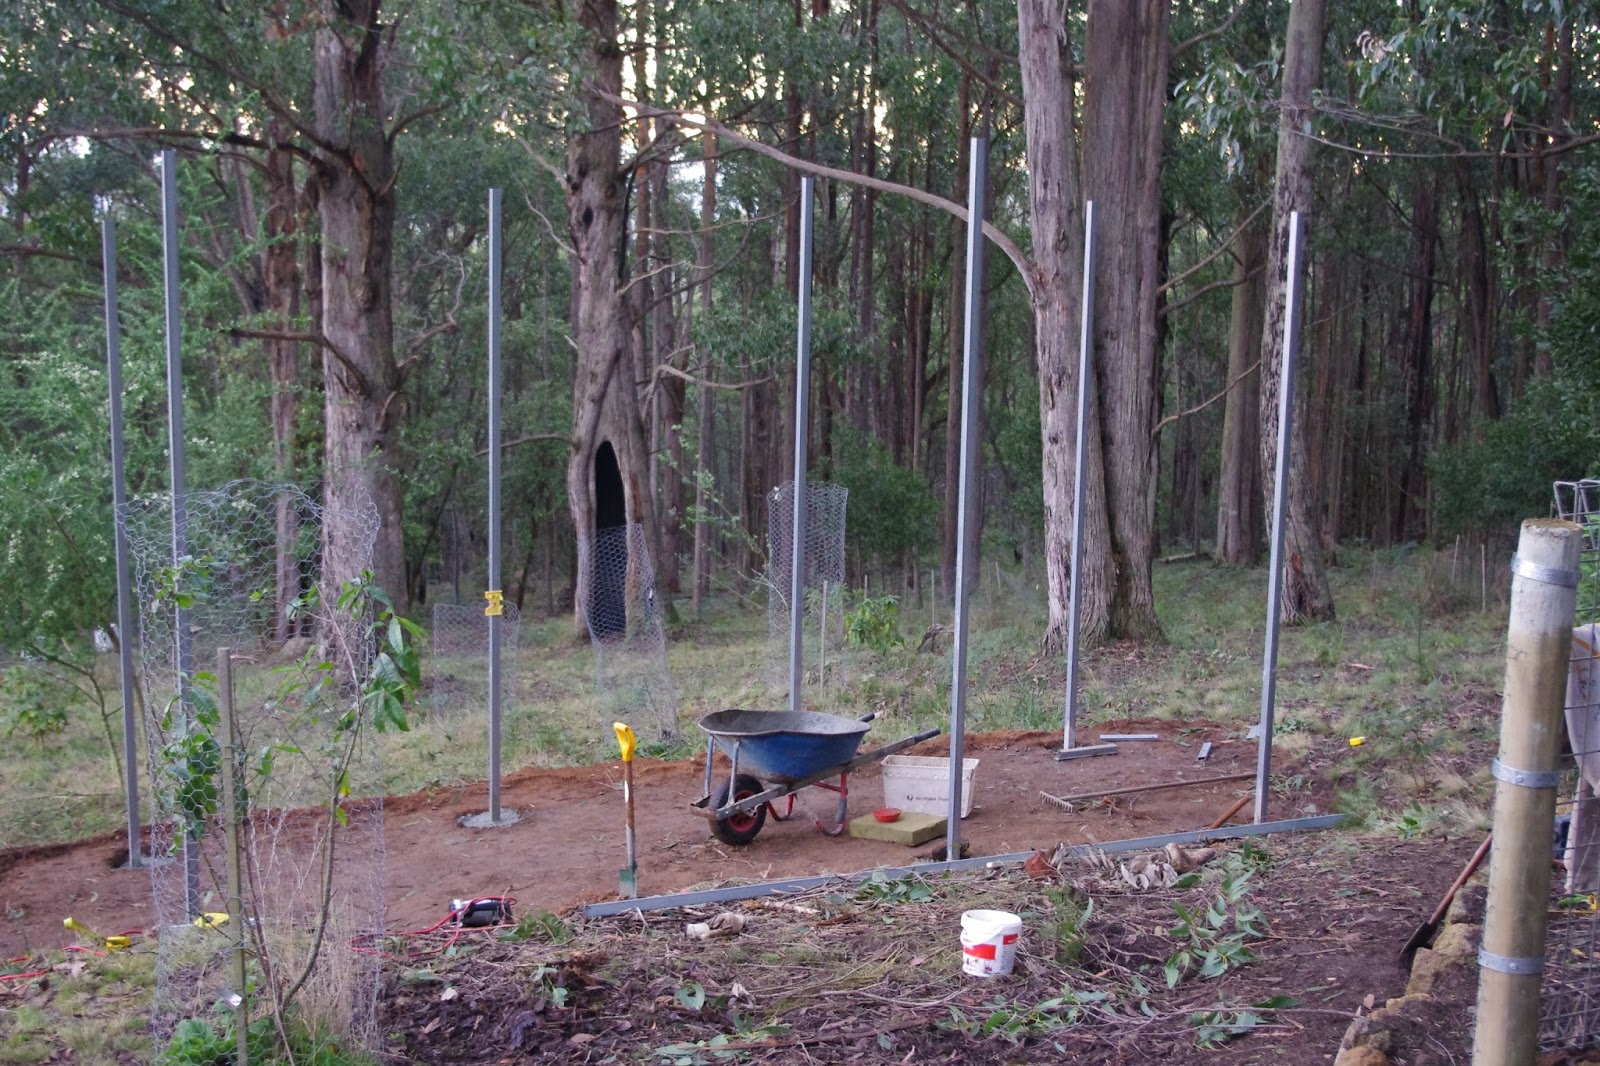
column 1538, row 646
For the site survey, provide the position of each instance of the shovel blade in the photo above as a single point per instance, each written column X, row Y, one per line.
column 628, row 882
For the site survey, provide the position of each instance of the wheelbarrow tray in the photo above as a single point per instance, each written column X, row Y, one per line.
column 785, row 746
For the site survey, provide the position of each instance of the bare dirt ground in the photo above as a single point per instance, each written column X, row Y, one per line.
column 568, row 845
column 875, row 976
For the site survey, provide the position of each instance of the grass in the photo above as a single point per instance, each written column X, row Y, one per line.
column 95, row 1010
column 1411, row 667
column 1408, row 650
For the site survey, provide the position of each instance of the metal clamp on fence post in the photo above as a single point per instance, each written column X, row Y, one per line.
column 1549, row 575
column 1505, row 964
column 1525, row 778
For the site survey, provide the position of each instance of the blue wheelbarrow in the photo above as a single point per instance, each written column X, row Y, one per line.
column 790, row 750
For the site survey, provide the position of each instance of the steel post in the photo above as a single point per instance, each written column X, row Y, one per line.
column 119, row 500
column 971, row 398
column 802, row 415
column 1280, row 507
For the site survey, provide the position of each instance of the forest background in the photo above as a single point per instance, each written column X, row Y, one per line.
column 336, row 157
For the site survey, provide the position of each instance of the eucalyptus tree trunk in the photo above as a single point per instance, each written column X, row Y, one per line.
column 1306, row 595
column 605, row 403
column 1127, row 54
column 708, row 407
column 356, row 209
column 1239, row 491
column 1056, row 223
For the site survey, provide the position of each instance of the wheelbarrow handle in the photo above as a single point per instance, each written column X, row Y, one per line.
column 869, row 716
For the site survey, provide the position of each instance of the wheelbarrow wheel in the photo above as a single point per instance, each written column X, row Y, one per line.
column 739, row 828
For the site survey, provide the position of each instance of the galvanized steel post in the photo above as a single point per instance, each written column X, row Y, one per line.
column 1280, row 507
column 971, row 397
column 802, row 414
column 494, row 593
column 119, row 500
column 180, row 495
column 1081, row 437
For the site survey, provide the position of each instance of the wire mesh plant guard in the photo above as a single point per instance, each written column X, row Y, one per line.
column 312, row 837
column 623, row 616
column 1569, row 999
column 457, row 674
column 822, row 579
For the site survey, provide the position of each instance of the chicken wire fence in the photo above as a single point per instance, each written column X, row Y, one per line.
column 308, row 773
column 623, row 616
column 822, row 563
column 457, row 670
column 1569, row 1001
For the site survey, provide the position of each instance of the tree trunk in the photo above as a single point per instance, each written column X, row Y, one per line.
column 1053, row 194
column 1417, row 373
column 605, row 405
column 1306, row 594
column 1239, row 493
column 356, row 210
column 1124, row 102
column 951, row 516
column 708, row 408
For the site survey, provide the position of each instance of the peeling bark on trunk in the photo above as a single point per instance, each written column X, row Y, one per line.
column 1239, row 493
column 356, row 209
column 1124, row 101
column 605, row 403
column 1058, row 252
column 1306, row 595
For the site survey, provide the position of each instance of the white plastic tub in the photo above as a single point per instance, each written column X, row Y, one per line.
column 922, row 783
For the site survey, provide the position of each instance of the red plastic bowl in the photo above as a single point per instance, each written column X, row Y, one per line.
column 887, row 814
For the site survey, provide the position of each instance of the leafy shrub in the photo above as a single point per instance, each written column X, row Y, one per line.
column 874, row 623
column 33, row 708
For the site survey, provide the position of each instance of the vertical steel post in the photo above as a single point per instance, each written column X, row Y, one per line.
column 802, row 415
column 180, row 494
column 119, row 500
column 494, row 594
column 1280, row 507
column 1069, row 738
column 971, row 397
column 232, row 816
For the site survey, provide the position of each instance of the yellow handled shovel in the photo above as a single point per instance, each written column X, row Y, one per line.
column 628, row 876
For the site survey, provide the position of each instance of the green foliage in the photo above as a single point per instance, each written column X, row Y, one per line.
column 892, row 516
column 1067, row 927
column 907, row 889
column 1216, row 1027
column 541, row 926
column 874, row 623
column 32, row 703
column 1214, row 937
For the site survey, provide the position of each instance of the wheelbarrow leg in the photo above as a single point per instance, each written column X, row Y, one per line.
column 711, row 746
column 843, row 789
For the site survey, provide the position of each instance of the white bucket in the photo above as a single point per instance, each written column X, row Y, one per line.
column 989, row 942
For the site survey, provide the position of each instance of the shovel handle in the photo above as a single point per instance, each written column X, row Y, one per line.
column 625, row 739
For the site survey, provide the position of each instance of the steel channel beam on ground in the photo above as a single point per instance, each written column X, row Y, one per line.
column 734, row 893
